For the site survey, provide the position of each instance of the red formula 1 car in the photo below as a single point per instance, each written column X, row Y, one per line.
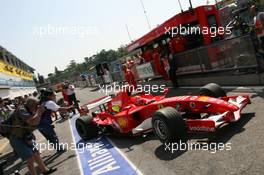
column 172, row 118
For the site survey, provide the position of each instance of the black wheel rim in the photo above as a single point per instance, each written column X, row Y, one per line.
column 161, row 129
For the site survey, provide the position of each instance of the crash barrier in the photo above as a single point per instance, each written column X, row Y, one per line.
column 89, row 82
column 13, row 83
column 117, row 73
column 105, row 79
column 232, row 54
column 81, row 83
column 118, row 76
column 99, row 80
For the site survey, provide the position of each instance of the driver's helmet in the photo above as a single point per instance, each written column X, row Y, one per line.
column 116, row 106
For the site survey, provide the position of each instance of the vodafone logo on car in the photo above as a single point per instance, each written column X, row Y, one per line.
column 201, row 128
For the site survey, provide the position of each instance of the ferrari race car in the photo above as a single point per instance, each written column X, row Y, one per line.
column 171, row 118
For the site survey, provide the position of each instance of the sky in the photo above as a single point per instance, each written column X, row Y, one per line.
column 50, row 33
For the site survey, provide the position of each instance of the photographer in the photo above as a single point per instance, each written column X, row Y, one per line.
column 45, row 126
column 25, row 119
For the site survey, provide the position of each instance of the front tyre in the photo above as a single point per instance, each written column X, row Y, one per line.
column 169, row 125
column 85, row 128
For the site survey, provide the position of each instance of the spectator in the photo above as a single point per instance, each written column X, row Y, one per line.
column 2, row 111
column 71, row 95
column 22, row 139
column 42, row 90
column 21, row 101
column 5, row 109
column 158, row 64
column 107, row 76
column 9, row 105
column 258, row 22
column 141, row 60
column 25, row 97
column 45, row 125
column 35, row 94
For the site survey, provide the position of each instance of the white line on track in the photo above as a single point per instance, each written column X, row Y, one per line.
column 78, row 156
column 124, row 156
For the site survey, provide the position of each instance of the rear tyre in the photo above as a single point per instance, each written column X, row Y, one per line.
column 212, row 90
column 169, row 125
column 85, row 128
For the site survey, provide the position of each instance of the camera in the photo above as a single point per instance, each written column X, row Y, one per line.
column 29, row 138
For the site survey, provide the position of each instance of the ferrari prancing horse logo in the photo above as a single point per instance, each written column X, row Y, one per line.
column 122, row 122
column 160, row 106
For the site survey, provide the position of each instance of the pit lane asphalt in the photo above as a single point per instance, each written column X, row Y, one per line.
column 149, row 156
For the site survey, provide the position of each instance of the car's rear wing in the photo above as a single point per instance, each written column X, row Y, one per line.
column 98, row 102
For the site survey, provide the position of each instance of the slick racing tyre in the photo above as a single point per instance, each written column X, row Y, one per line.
column 212, row 90
column 85, row 128
column 169, row 125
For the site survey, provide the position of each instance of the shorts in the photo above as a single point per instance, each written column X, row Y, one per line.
column 23, row 150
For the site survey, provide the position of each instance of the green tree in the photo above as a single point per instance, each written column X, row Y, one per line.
column 75, row 69
column 72, row 65
column 57, row 72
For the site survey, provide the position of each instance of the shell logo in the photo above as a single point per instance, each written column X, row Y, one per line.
column 122, row 122
column 203, row 98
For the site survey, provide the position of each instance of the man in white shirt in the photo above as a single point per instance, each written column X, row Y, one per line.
column 71, row 95
column 45, row 125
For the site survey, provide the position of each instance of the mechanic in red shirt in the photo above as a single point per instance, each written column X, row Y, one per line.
column 129, row 76
column 147, row 55
column 64, row 95
column 159, row 67
column 177, row 44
